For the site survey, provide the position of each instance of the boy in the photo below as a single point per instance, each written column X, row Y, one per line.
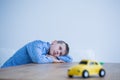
column 40, row 52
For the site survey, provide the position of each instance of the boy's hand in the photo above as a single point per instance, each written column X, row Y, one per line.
column 55, row 60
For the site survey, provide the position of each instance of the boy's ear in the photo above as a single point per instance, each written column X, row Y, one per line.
column 54, row 42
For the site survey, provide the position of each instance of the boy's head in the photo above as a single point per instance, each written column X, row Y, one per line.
column 59, row 48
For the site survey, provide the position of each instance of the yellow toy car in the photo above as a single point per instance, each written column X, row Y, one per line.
column 86, row 68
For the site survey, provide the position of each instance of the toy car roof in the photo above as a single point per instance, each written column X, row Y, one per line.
column 88, row 60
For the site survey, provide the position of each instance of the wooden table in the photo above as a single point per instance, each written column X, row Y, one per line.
column 56, row 71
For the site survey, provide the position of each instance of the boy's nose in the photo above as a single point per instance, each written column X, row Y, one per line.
column 57, row 53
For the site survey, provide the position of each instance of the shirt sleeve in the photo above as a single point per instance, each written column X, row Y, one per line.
column 36, row 54
column 65, row 58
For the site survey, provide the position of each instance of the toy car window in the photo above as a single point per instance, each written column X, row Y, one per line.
column 91, row 63
column 96, row 63
column 83, row 62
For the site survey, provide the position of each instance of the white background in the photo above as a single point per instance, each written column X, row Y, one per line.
column 90, row 27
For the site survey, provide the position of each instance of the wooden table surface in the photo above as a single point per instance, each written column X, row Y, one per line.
column 56, row 71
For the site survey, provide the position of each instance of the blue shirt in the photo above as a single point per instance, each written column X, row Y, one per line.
column 33, row 52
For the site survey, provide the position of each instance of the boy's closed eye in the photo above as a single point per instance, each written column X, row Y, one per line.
column 60, row 48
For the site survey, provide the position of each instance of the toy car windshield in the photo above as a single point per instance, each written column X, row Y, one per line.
column 83, row 62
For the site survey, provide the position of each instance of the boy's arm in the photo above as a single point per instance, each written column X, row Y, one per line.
column 65, row 58
column 36, row 54
column 55, row 59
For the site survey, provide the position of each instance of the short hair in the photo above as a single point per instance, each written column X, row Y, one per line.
column 67, row 46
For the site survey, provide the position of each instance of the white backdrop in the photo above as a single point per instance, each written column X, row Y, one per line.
column 91, row 27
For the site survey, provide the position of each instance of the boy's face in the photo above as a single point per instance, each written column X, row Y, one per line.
column 57, row 49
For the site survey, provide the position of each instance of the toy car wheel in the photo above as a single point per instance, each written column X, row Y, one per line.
column 102, row 73
column 85, row 74
column 70, row 76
